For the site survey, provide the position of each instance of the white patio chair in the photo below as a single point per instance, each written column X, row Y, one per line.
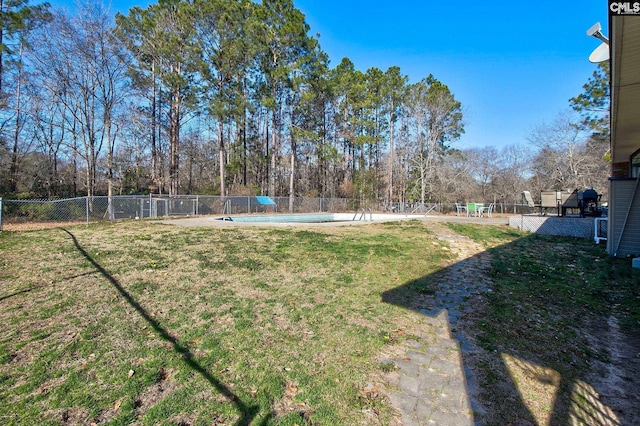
column 526, row 195
column 488, row 210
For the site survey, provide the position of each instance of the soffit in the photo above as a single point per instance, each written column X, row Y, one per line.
column 625, row 86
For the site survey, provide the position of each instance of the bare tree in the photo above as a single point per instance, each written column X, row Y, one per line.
column 435, row 119
column 81, row 60
column 456, row 183
column 49, row 131
column 565, row 160
column 484, row 166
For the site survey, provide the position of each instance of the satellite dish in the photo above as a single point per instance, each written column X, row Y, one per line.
column 600, row 54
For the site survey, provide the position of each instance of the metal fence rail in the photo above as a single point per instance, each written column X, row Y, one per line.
column 35, row 214
column 30, row 214
column 577, row 227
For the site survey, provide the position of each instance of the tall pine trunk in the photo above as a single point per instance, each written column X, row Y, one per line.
column 292, row 177
column 174, row 144
column 221, row 157
column 14, row 169
column 154, row 125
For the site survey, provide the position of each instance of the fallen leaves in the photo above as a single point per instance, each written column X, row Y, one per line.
column 253, row 391
column 117, row 404
column 370, row 391
column 291, row 389
column 288, row 405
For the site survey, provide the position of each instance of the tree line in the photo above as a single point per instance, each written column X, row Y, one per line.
column 233, row 97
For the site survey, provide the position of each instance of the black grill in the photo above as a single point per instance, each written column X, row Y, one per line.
column 589, row 203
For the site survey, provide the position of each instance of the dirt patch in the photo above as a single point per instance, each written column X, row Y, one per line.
column 75, row 416
column 163, row 387
column 612, row 385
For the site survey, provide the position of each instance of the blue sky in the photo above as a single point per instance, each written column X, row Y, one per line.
column 513, row 64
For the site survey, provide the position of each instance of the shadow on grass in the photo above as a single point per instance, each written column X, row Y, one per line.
column 27, row 290
column 247, row 412
column 516, row 320
column 17, row 293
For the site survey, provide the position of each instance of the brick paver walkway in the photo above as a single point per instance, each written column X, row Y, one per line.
column 429, row 386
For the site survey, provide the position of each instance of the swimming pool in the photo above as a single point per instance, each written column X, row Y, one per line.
column 317, row 218
column 285, row 218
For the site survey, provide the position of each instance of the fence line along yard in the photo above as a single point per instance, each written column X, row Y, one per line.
column 35, row 214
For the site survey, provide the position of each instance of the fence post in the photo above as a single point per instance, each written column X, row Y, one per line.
column 0, row 213
column 86, row 203
column 110, row 211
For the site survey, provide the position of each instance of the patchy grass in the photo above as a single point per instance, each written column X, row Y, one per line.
column 141, row 322
column 138, row 322
column 549, row 296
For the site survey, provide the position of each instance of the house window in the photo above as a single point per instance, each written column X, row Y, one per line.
column 635, row 164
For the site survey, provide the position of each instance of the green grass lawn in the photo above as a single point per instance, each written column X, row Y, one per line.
column 138, row 322
column 148, row 323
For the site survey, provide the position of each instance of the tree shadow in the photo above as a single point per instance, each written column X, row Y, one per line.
column 30, row 289
column 248, row 412
column 17, row 293
column 509, row 372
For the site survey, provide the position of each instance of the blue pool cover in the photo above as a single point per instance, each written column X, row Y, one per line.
column 265, row 201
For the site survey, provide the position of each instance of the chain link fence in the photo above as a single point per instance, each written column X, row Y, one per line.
column 18, row 215
column 37, row 214
column 577, row 227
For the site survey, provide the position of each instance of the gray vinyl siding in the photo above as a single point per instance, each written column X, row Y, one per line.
column 620, row 196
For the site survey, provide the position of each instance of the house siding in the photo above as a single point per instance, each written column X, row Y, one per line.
column 623, row 194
